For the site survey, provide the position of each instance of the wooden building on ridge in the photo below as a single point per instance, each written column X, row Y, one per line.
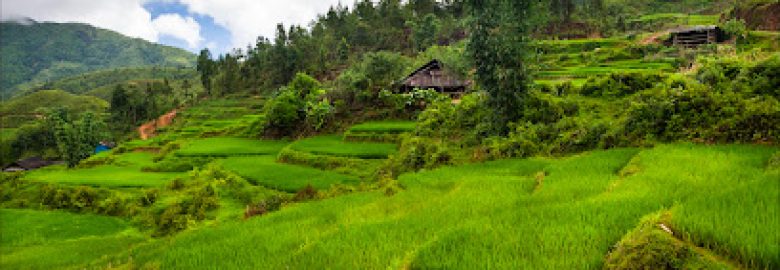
column 433, row 75
column 694, row 36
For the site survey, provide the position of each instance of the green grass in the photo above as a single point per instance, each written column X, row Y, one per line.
column 124, row 172
column 264, row 170
column 503, row 215
column 384, row 127
column 7, row 134
column 679, row 18
column 223, row 147
column 334, row 145
column 56, row 240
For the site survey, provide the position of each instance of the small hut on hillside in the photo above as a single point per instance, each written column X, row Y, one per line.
column 29, row 164
column 433, row 75
column 695, row 36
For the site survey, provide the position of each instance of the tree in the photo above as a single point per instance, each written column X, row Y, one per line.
column 498, row 45
column 120, row 104
column 76, row 140
column 424, row 32
column 206, row 68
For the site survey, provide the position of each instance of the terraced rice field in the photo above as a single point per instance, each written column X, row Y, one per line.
column 225, row 146
column 512, row 214
column 334, row 145
column 264, row 170
column 125, row 171
column 56, row 240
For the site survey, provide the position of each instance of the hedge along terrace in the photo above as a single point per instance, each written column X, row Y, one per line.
column 223, row 147
column 334, row 145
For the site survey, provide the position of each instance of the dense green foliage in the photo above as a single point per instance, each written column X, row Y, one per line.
column 37, row 53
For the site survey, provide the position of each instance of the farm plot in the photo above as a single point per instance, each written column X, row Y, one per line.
column 334, row 145
column 509, row 214
column 54, row 240
column 125, row 171
column 225, row 146
column 384, row 131
column 264, row 170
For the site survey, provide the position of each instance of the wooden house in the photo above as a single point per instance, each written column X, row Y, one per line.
column 694, row 36
column 29, row 164
column 433, row 75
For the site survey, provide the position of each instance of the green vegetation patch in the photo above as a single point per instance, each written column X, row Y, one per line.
column 508, row 214
column 224, row 147
column 29, row 104
column 384, row 127
column 334, row 145
column 264, row 170
column 125, row 171
column 54, row 240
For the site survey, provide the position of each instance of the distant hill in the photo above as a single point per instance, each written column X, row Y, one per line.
column 22, row 109
column 34, row 53
column 100, row 82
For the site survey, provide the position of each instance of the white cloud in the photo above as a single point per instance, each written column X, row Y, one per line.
column 186, row 29
column 124, row 16
column 248, row 19
column 244, row 19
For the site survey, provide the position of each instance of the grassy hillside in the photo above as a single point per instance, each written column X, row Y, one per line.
column 23, row 109
column 36, row 239
column 101, row 82
column 511, row 214
column 44, row 52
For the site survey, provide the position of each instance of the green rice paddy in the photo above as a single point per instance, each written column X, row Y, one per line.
column 223, row 147
column 334, row 145
column 264, row 170
column 384, row 127
column 56, row 240
column 511, row 214
column 125, row 171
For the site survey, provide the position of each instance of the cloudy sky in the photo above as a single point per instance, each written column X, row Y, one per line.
column 190, row 24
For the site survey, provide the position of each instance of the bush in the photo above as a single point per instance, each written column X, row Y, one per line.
column 177, row 164
column 619, row 84
column 418, row 153
column 445, row 120
column 650, row 247
column 284, row 114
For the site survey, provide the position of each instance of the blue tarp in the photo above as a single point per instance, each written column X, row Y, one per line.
column 101, row 148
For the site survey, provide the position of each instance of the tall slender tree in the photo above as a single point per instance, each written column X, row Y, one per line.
column 499, row 45
column 206, row 68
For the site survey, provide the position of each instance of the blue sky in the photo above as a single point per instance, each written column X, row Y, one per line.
column 220, row 25
column 217, row 37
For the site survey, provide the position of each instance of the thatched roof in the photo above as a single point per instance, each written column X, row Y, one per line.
column 432, row 75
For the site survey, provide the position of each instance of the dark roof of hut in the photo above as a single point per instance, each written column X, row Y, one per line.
column 697, row 28
column 32, row 163
column 434, row 64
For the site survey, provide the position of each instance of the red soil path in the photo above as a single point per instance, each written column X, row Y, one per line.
column 149, row 129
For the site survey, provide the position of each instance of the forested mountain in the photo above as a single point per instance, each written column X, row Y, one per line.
column 34, row 53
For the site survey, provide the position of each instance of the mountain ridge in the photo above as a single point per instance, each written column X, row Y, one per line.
column 35, row 53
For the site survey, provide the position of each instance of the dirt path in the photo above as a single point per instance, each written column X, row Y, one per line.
column 652, row 38
column 148, row 129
